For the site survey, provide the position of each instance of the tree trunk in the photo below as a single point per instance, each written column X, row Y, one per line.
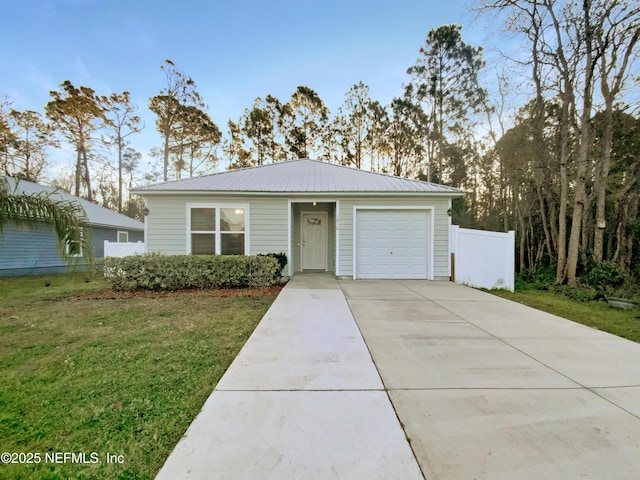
column 580, row 195
column 166, row 154
column 628, row 258
column 78, row 169
column 119, row 174
column 87, row 175
column 564, row 193
column 600, row 183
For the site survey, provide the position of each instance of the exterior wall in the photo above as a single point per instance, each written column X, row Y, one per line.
column 33, row 250
column 268, row 224
column 441, row 228
column 25, row 250
column 167, row 227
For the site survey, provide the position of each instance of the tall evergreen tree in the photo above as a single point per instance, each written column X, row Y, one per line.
column 76, row 113
column 180, row 91
column 445, row 78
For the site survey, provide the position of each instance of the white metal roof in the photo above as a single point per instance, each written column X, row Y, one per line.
column 97, row 215
column 299, row 176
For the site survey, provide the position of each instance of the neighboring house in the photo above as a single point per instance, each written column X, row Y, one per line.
column 325, row 217
column 33, row 249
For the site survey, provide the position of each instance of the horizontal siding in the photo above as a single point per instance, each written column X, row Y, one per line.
column 269, row 227
column 167, row 222
column 100, row 234
column 441, row 226
column 167, row 232
column 31, row 250
column 166, row 225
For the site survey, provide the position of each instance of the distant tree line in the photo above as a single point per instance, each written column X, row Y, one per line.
column 563, row 170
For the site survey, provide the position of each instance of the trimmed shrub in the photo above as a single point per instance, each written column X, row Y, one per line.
column 282, row 261
column 178, row 272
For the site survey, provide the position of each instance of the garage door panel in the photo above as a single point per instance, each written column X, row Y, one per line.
column 392, row 243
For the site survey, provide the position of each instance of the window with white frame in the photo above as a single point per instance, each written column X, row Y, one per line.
column 217, row 230
column 123, row 236
column 73, row 248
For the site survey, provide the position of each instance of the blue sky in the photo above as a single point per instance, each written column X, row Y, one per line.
column 234, row 50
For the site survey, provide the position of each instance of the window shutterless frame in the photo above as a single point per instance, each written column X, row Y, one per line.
column 74, row 249
column 226, row 229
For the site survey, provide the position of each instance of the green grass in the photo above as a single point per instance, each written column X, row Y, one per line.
column 596, row 314
column 87, row 370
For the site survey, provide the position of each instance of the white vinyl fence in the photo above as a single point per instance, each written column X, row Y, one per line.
column 482, row 259
column 122, row 249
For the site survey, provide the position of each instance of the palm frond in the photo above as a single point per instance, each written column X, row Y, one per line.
column 67, row 219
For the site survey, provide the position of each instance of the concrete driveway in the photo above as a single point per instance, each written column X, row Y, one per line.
column 302, row 400
column 488, row 388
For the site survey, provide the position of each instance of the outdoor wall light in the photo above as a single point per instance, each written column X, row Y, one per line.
column 314, row 204
column 450, row 212
column 145, row 211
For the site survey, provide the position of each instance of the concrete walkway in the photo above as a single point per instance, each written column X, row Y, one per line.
column 490, row 389
column 303, row 400
column 485, row 389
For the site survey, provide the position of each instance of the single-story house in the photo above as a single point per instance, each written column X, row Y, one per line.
column 325, row 217
column 28, row 250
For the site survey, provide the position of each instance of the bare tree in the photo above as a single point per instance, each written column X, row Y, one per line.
column 123, row 122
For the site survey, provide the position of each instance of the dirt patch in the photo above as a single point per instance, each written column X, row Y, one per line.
column 109, row 294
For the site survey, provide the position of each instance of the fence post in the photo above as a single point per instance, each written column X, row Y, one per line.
column 452, row 278
column 454, row 236
column 511, row 260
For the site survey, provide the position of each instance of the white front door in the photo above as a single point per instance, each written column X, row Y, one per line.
column 314, row 241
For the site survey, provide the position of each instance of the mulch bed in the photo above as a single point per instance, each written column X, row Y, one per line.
column 109, row 294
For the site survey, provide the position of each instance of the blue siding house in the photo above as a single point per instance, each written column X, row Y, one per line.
column 29, row 250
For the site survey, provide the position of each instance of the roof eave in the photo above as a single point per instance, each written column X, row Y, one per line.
column 143, row 193
column 119, row 227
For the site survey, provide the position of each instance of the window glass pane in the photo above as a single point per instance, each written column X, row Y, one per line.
column 74, row 249
column 203, row 244
column 232, row 219
column 232, row 243
column 203, row 219
column 123, row 237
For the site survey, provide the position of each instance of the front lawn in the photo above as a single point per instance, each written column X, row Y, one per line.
column 597, row 314
column 97, row 384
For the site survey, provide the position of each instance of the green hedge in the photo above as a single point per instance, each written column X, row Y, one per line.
column 177, row 272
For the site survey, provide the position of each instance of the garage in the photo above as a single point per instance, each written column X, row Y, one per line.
column 393, row 243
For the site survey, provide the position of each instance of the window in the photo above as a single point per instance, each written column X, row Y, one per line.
column 232, row 231
column 123, row 237
column 73, row 248
column 217, row 230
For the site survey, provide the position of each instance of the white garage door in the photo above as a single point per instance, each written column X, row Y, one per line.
column 392, row 243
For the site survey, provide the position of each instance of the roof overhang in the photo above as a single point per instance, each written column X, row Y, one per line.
column 116, row 227
column 155, row 193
